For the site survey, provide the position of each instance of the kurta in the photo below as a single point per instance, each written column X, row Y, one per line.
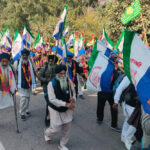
column 59, row 118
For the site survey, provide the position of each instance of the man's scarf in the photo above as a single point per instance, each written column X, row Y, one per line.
column 13, row 86
column 19, row 75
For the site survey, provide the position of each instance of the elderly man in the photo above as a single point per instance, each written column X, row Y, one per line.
column 26, row 80
column 7, row 82
column 61, row 106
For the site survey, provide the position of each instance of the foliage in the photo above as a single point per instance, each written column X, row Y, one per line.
column 84, row 16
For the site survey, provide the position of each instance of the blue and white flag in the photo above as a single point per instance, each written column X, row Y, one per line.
column 26, row 42
column 136, row 59
column 66, row 32
column 60, row 25
column 71, row 40
column 27, row 38
column 6, row 41
column 101, row 74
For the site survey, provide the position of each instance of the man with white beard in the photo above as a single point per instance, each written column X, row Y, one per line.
column 61, row 106
column 7, row 82
column 26, row 80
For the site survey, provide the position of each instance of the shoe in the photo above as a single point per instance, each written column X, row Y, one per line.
column 23, row 117
column 62, row 148
column 28, row 114
column 117, row 129
column 49, row 142
column 127, row 144
column 99, row 122
column 81, row 97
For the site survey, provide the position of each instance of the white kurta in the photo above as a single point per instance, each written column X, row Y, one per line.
column 7, row 100
column 59, row 118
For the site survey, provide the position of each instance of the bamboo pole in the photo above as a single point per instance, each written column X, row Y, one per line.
column 143, row 24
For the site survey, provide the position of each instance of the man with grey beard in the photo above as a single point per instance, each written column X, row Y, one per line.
column 7, row 82
column 26, row 81
column 61, row 95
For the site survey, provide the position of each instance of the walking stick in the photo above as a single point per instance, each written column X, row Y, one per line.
column 15, row 111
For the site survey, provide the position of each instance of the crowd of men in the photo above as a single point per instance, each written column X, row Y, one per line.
column 61, row 86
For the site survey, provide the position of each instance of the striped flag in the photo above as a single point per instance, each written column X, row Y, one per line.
column 16, row 46
column 60, row 25
column 100, row 76
column 136, row 59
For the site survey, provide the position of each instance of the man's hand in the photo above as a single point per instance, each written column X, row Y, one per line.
column 71, row 100
column 115, row 106
column 70, row 106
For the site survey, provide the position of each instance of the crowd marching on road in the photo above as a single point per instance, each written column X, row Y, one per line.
column 119, row 75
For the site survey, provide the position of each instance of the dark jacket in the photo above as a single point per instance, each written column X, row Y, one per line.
column 60, row 95
column 45, row 73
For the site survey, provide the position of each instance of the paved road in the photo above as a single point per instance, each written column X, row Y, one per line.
column 85, row 133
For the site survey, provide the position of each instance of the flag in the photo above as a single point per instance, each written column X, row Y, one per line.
column 131, row 12
column 60, row 25
column 39, row 43
column 64, row 48
column 91, row 41
column 136, row 59
column 93, row 57
column 106, row 41
column 16, row 46
column 59, row 51
column 27, row 38
column 70, row 40
column 6, row 41
column 119, row 45
column 66, row 32
column 100, row 76
column 38, row 38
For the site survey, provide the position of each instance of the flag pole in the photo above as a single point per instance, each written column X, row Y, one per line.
column 15, row 111
column 143, row 24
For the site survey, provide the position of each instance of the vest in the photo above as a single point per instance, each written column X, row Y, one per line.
column 60, row 95
column 24, row 83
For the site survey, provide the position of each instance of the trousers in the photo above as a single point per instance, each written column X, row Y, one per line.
column 102, row 98
column 24, row 105
column 128, row 131
column 53, row 130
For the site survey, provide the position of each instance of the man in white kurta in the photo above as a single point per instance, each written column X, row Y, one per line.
column 6, row 99
column 24, row 84
column 60, row 121
column 128, row 131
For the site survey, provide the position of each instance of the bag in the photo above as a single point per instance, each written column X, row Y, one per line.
column 117, row 82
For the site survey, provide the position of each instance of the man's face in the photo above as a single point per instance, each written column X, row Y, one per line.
column 24, row 56
column 51, row 61
column 69, row 60
column 62, row 74
column 4, row 62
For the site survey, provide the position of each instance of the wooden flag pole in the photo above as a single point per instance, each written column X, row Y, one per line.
column 144, row 30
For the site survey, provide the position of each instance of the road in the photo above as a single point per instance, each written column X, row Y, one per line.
column 85, row 133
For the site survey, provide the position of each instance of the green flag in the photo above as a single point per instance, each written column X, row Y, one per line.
column 36, row 40
column 131, row 12
column 93, row 56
